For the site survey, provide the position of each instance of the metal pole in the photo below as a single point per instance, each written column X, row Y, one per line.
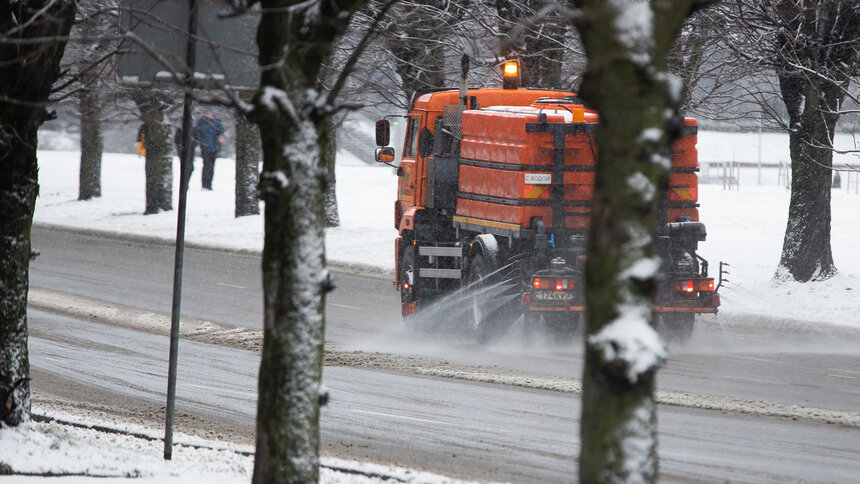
column 185, row 161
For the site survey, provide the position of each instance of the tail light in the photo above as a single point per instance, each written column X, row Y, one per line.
column 694, row 285
column 553, row 283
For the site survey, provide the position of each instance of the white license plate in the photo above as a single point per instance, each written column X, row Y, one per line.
column 553, row 295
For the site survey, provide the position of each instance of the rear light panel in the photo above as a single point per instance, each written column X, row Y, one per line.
column 553, row 283
column 690, row 286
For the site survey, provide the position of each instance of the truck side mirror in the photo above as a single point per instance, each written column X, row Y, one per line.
column 385, row 154
column 383, row 133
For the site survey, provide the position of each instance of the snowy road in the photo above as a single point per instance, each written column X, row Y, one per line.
column 481, row 431
column 726, row 358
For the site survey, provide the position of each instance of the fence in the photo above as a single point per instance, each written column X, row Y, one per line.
column 730, row 174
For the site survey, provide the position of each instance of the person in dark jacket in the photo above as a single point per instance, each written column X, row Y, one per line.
column 208, row 134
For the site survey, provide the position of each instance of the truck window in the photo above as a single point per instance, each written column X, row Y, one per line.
column 411, row 138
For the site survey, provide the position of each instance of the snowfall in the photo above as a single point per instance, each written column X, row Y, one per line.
column 745, row 215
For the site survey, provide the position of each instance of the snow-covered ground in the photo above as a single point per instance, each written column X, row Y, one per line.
column 745, row 229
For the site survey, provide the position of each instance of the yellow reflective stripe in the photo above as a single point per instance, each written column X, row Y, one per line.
column 486, row 223
column 536, row 191
column 684, row 194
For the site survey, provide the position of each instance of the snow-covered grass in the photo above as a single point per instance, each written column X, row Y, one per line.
column 745, row 229
column 39, row 450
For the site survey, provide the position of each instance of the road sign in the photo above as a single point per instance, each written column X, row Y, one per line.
column 154, row 48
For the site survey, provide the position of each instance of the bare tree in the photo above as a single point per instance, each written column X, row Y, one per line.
column 533, row 32
column 158, row 167
column 788, row 64
column 627, row 81
column 294, row 39
column 33, row 35
column 248, row 156
column 85, row 66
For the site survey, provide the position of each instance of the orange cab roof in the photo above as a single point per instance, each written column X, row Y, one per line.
column 434, row 101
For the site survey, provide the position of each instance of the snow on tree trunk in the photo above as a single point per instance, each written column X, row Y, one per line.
column 90, row 179
column 806, row 252
column 29, row 70
column 158, row 166
column 248, row 156
column 627, row 81
column 332, row 217
column 293, row 40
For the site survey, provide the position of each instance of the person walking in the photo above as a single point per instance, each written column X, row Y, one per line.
column 208, row 134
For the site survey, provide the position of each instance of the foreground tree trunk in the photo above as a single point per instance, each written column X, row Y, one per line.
column 90, row 179
column 294, row 38
column 248, row 155
column 627, row 81
column 29, row 70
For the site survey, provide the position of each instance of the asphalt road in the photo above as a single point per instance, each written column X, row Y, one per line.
column 476, row 431
column 519, row 434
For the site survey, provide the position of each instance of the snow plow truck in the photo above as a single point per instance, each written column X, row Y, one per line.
column 495, row 185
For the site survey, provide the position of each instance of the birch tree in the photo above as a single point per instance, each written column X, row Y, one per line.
column 33, row 35
column 627, row 81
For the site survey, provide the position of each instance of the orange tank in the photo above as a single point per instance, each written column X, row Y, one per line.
column 506, row 168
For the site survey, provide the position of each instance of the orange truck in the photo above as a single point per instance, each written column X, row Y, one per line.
column 494, row 199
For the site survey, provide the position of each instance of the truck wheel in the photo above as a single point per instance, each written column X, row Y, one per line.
column 483, row 324
column 676, row 326
column 562, row 326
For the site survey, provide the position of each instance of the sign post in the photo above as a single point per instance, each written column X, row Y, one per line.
column 151, row 53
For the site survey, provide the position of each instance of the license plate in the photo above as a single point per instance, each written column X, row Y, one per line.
column 553, row 295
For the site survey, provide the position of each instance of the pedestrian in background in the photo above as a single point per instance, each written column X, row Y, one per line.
column 141, row 140
column 208, row 134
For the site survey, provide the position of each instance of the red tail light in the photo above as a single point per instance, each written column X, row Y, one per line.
column 549, row 283
column 691, row 286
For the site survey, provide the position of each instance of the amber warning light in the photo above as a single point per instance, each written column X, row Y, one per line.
column 511, row 72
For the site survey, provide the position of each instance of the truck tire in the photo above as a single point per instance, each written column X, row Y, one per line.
column 483, row 317
column 562, row 326
column 676, row 326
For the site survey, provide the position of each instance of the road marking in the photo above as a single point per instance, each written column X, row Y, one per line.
column 425, row 420
column 347, row 307
column 222, row 390
column 230, row 285
column 843, row 370
column 841, row 376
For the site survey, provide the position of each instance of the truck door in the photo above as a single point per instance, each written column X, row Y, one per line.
column 406, row 190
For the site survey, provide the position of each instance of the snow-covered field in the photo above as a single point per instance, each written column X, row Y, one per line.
column 745, row 229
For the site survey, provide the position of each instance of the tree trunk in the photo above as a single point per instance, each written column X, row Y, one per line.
column 90, row 180
column 622, row 350
column 812, row 109
column 29, row 70
column 332, row 217
column 158, row 166
column 295, row 280
column 248, row 155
